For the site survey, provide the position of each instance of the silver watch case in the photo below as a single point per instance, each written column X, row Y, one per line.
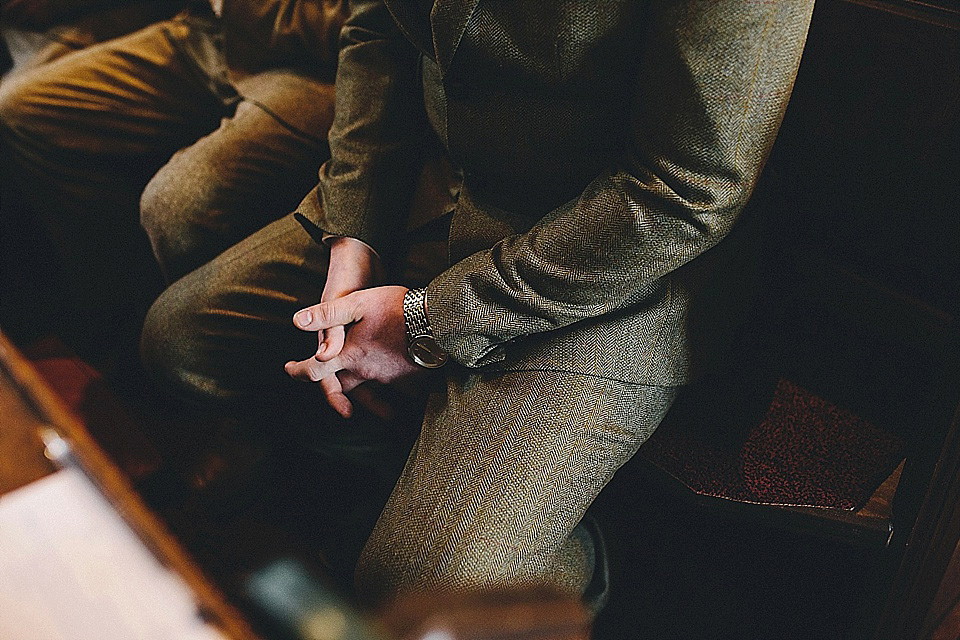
column 425, row 351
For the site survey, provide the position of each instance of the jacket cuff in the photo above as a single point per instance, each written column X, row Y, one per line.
column 453, row 325
column 312, row 208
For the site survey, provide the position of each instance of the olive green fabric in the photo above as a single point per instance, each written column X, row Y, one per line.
column 504, row 470
column 599, row 149
column 505, row 465
column 604, row 146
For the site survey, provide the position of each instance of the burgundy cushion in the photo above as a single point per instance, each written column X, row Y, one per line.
column 805, row 451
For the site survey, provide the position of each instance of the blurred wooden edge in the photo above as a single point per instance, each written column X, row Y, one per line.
column 487, row 615
column 114, row 485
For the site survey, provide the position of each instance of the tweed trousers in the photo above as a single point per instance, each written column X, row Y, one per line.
column 502, row 467
column 153, row 114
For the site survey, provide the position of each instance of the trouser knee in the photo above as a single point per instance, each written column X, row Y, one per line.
column 171, row 347
column 18, row 99
column 171, row 222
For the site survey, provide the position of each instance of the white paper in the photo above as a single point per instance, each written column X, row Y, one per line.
column 71, row 569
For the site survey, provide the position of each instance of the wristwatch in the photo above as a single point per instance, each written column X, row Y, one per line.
column 422, row 347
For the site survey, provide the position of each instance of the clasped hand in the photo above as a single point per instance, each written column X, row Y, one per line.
column 361, row 338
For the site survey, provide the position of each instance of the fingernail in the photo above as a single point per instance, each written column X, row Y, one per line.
column 303, row 318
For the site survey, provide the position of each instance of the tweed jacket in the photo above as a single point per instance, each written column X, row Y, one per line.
column 606, row 146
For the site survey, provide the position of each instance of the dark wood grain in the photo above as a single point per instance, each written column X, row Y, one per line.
column 21, row 454
column 944, row 613
column 26, row 395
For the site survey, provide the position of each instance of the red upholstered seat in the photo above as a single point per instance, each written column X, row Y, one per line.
column 804, row 452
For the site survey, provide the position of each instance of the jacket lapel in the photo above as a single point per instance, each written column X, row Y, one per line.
column 448, row 21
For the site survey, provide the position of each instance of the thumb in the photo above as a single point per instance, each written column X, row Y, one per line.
column 339, row 312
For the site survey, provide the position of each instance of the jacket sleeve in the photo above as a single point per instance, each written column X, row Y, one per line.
column 713, row 84
column 366, row 185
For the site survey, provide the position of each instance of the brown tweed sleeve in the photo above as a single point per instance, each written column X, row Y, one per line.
column 712, row 88
column 379, row 122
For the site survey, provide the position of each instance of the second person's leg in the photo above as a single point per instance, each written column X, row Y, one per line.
column 255, row 167
column 80, row 137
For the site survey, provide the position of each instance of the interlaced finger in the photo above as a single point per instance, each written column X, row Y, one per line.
column 349, row 380
column 312, row 370
column 333, row 390
column 364, row 393
column 368, row 397
column 331, row 343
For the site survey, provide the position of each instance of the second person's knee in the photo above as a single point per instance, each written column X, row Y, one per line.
column 170, row 222
column 20, row 100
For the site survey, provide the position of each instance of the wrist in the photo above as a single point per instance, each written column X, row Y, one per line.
column 353, row 266
column 345, row 250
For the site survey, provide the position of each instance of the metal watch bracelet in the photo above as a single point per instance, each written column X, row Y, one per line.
column 422, row 347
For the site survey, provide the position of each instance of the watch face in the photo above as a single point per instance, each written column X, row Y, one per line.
column 425, row 351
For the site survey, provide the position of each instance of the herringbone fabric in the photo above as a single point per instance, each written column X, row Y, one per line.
column 604, row 146
column 505, row 464
column 505, row 467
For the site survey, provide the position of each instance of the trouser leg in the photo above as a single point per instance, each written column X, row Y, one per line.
column 30, row 48
column 80, row 137
column 504, row 469
column 220, row 336
column 256, row 166
column 505, row 466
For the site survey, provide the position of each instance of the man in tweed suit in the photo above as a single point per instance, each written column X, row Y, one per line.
column 590, row 153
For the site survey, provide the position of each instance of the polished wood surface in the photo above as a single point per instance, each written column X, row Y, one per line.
column 21, row 452
column 867, row 162
column 520, row 615
column 29, row 405
column 943, row 619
